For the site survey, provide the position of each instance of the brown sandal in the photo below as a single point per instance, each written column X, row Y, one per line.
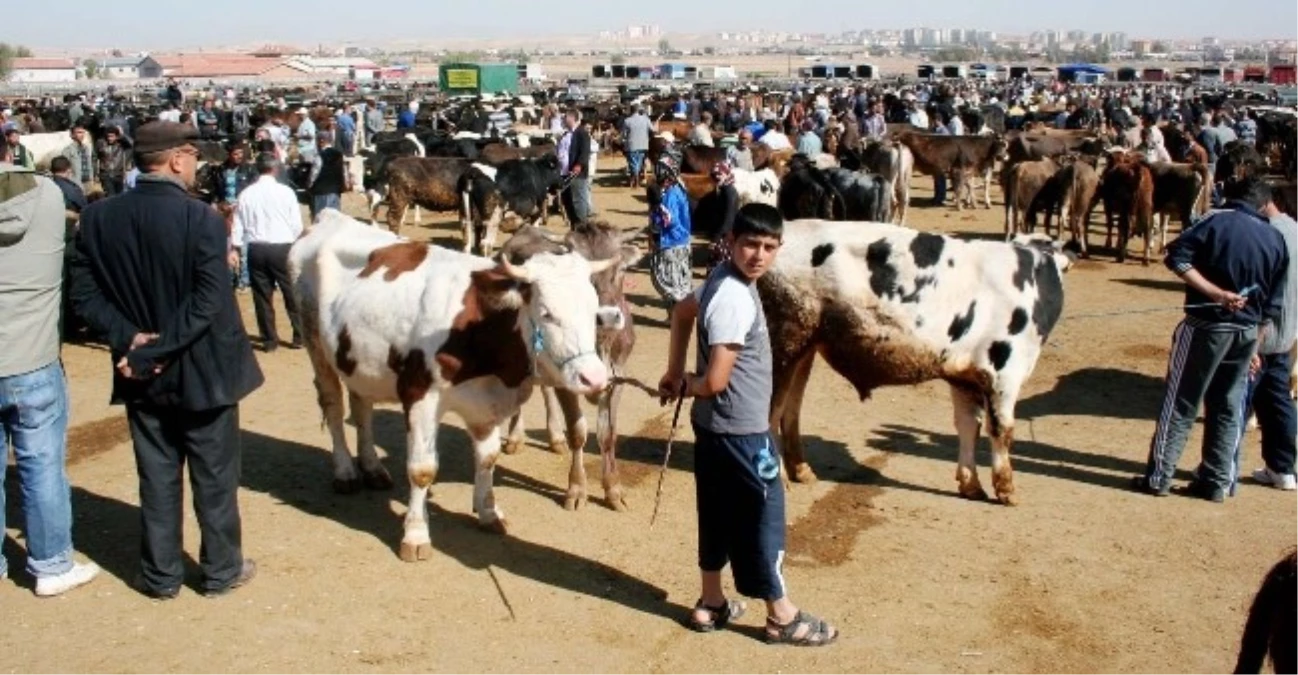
column 817, row 635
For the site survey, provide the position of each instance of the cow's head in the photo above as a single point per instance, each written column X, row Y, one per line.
column 594, row 241
column 558, row 313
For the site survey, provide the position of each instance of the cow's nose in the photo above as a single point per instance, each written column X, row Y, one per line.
column 593, row 378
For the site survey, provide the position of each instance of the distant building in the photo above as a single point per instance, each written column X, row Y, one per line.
column 1118, row 41
column 142, row 67
column 42, row 70
column 1140, row 47
column 1076, row 35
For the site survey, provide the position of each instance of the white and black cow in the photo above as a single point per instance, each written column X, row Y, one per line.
column 515, row 193
column 886, row 305
column 438, row 331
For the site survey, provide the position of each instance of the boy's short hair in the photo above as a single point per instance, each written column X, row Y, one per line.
column 761, row 220
column 60, row 164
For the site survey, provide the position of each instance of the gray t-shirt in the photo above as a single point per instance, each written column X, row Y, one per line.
column 730, row 313
column 33, row 228
column 1283, row 332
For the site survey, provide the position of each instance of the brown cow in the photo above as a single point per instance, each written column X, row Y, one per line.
column 496, row 154
column 1026, row 147
column 613, row 343
column 1023, row 184
column 430, row 182
column 1127, row 188
column 1182, row 190
column 1081, row 183
column 958, row 157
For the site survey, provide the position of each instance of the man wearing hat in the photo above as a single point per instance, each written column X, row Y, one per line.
column 151, row 274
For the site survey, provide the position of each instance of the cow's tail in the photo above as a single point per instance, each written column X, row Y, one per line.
column 1203, row 201
column 1270, row 624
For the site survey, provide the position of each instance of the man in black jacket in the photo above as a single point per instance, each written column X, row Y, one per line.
column 576, row 197
column 151, row 275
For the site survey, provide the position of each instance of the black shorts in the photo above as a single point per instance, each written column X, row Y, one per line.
column 741, row 510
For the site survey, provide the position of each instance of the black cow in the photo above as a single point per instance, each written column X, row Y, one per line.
column 515, row 191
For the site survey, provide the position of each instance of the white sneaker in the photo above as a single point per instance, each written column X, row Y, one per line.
column 1279, row 481
column 80, row 575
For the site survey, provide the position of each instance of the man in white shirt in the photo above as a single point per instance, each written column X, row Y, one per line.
column 170, row 113
column 269, row 220
column 774, row 138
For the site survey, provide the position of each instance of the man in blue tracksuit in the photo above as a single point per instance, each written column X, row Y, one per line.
column 1233, row 263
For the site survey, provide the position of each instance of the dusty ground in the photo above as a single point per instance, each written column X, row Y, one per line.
column 1083, row 576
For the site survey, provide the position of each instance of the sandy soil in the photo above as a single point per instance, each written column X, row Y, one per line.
column 1082, row 576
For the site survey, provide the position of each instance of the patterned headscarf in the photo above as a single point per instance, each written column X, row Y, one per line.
column 668, row 168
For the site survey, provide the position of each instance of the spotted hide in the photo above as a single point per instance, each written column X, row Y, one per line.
column 515, row 193
column 885, row 305
column 437, row 331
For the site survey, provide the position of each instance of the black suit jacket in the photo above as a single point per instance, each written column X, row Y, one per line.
column 153, row 260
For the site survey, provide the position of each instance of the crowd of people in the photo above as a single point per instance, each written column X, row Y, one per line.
column 150, row 270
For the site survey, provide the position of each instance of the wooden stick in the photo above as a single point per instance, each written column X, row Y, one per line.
column 671, row 437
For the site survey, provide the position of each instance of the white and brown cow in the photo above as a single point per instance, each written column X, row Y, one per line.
column 438, row 331
column 885, row 305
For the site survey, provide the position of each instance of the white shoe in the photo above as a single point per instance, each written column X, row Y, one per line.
column 1279, row 481
column 80, row 575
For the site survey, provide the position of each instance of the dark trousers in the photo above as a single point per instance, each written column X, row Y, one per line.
column 1208, row 367
column 1268, row 396
column 576, row 200
column 741, row 510
column 113, row 185
column 165, row 440
column 268, row 265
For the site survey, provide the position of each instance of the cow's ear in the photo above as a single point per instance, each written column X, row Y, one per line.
column 631, row 254
column 496, row 290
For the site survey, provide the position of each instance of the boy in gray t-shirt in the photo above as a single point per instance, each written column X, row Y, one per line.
column 736, row 468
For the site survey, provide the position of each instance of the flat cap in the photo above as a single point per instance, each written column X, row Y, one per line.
column 160, row 135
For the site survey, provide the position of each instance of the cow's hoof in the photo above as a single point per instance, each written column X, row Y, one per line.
column 616, row 500
column 575, row 499
column 802, row 473
column 973, row 492
column 512, row 446
column 559, row 447
column 347, row 486
column 497, row 526
column 377, row 480
column 1007, row 498
column 412, row 552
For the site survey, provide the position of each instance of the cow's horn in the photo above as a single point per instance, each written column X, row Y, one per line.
column 516, row 272
column 597, row 266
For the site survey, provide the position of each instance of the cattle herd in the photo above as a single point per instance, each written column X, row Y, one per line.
column 472, row 331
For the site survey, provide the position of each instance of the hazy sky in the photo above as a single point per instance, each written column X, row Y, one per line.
column 159, row 24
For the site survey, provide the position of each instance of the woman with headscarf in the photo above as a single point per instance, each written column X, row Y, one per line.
column 669, row 226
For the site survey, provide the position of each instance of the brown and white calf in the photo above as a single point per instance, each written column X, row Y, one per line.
column 564, row 421
column 438, row 331
column 885, row 305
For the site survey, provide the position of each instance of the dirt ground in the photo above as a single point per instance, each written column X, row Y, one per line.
column 1082, row 576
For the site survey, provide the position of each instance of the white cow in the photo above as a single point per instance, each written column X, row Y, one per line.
column 46, row 146
column 756, row 187
column 885, row 305
column 438, row 331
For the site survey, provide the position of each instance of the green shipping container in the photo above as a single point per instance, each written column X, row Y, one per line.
column 478, row 78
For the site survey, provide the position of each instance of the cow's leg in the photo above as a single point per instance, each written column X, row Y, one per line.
column 329, row 394
column 466, row 221
column 515, row 434
column 1000, row 429
column 790, row 420
column 606, row 436
column 422, row 419
column 486, row 450
column 555, row 424
column 967, row 407
column 987, row 189
column 902, row 197
column 487, row 234
column 565, row 403
column 373, row 474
